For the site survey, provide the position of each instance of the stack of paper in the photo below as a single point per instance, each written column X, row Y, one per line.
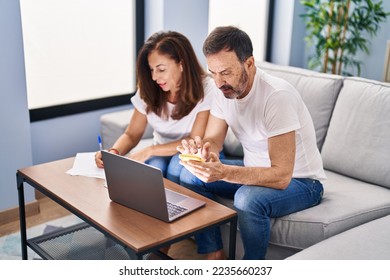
column 84, row 165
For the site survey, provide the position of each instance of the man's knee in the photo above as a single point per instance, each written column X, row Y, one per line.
column 241, row 198
column 248, row 198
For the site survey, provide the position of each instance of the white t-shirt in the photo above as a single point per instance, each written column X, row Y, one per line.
column 271, row 108
column 169, row 130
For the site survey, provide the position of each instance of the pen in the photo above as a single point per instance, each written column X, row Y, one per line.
column 100, row 143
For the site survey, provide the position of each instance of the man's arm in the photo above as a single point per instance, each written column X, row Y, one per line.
column 214, row 137
column 278, row 175
column 215, row 134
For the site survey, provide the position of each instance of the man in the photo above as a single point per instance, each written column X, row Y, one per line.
column 282, row 166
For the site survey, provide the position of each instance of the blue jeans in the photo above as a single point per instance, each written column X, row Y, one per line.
column 255, row 206
column 169, row 166
column 210, row 240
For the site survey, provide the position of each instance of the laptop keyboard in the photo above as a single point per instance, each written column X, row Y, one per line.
column 174, row 209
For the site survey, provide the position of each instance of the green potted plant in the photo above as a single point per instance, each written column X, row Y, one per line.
column 338, row 29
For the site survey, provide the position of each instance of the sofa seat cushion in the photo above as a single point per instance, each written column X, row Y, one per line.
column 346, row 204
column 319, row 91
column 358, row 139
column 370, row 241
column 112, row 125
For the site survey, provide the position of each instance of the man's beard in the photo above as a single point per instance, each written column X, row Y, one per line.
column 235, row 93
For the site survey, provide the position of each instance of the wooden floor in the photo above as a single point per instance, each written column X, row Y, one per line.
column 49, row 210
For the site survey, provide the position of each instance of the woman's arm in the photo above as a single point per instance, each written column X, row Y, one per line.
column 169, row 149
column 129, row 139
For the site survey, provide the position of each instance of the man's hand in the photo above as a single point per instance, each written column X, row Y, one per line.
column 210, row 171
column 195, row 147
column 209, row 168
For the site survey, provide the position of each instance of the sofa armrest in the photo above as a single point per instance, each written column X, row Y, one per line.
column 112, row 125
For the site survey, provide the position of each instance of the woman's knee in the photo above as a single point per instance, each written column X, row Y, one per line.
column 187, row 178
column 174, row 169
column 160, row 163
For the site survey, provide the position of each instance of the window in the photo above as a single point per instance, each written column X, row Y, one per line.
column 255, row 21
column 79, row 54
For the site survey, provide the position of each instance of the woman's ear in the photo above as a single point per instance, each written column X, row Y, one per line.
column 181, row 66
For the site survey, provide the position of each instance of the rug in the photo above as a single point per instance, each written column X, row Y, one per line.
column 84, row 242
column 10, row 245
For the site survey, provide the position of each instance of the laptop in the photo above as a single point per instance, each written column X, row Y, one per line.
column 141, row 187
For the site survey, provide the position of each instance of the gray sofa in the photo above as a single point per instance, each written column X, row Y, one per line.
column 352, row 120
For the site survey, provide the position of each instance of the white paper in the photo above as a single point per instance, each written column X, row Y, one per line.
column 84, row 165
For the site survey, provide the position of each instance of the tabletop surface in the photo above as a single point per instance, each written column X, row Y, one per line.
column 88, row 198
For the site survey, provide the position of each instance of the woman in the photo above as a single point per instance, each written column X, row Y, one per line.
column 174, row 97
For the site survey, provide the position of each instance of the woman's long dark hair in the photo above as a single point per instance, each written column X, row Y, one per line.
column 177, row 47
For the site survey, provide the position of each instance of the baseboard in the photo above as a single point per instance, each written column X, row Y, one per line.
column 12, row 214
column 38, row 194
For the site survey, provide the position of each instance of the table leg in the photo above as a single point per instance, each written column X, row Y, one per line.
column 22, row 216
column 232, row 238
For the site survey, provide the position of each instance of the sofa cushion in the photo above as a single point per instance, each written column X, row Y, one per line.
column 358, row 140
column 319, row 91
column 346, row 204
column 370, row 241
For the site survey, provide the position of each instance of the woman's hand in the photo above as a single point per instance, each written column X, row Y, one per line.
column 98, row 159
column 142, row 155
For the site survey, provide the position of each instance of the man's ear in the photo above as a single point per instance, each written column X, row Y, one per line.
column 250, row 61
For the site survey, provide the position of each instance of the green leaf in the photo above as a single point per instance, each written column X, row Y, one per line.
column 326, row 31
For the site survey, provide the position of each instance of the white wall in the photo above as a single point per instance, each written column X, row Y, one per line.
column 188, row 17
column 63, row 137
column 154, row 16
column 281, row 41
column 15, row 141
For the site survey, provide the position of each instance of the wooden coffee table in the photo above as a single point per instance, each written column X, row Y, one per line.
column 88, row 199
